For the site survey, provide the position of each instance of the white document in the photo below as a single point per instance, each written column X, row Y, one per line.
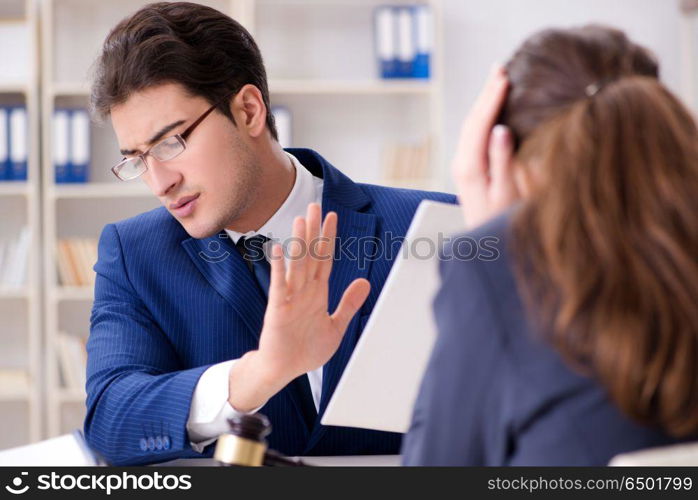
column 69, row 450
column 380, row 383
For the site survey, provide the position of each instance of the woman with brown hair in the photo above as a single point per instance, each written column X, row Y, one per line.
column 580, row 341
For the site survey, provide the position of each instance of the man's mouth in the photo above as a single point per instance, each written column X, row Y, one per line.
column 184, row 206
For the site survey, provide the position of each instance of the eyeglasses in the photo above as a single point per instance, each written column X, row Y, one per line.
column 167, row 149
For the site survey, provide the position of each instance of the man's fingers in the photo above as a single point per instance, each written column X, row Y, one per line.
column 326, row 247
column 295, row 274
column 277, row 285
column 314, row 218
column 352, row 300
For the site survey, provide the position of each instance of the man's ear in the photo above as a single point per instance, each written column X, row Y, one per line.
column 249, row 110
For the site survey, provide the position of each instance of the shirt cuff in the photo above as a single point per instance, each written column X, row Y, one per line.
column 209, row 411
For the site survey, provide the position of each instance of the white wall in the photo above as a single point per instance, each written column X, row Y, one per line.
column 478, row 34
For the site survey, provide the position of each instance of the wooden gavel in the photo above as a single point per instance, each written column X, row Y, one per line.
column 245, row 444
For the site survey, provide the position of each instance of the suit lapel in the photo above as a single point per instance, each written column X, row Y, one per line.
column 224, row 268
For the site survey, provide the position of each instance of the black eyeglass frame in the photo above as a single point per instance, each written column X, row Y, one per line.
column 181, row 139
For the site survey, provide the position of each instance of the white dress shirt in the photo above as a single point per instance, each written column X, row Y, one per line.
column 210, row 409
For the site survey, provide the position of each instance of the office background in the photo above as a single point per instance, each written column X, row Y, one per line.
column 325, row 79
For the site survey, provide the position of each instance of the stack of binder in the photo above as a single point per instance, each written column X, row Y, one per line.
column 72, row 359
column 406, row 162
column 76, row 257
column 13, row 143
column 404, row 40
column 71, row 145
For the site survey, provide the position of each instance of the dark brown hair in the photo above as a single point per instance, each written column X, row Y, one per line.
column 200, row 48
column 607, row 241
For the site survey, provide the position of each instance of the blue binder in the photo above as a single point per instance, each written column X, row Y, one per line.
column 385, row 39
column 18, row 143
column 61, row 145
column 405, row 41
column 79, row 163
column 5, row 166
column 423, row 34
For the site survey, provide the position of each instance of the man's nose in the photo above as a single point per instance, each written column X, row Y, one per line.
column 160, row 178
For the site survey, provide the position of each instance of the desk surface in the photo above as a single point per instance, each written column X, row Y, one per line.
column 345, row 461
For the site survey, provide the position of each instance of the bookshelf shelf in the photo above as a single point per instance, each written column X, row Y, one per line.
column 12, row 88
column 21, row 314
column 69, row 89
column 71, row 396
column 63, row 293
column 349, row 87
column 15, row 189
column 99, row 190
column 299, row 86
column 14, row 293
column 9, row 395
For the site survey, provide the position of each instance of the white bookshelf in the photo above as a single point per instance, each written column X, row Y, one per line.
column 321, row 65
column 689, row 52
column 72, row 33
column 20, row 307
column 346, row 113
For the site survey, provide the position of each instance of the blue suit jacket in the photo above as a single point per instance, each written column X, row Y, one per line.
column 168, row 306
column 494, row 392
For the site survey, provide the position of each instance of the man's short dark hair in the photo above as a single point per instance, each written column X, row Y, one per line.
column 200, row 48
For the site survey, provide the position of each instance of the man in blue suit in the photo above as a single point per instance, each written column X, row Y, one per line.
column 185, row 329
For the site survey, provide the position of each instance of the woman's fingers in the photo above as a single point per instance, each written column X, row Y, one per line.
column 502, row 189
column 471, row 154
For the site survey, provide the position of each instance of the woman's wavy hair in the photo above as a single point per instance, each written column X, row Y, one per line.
column 607, row 241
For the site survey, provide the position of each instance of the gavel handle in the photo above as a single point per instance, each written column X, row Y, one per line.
column 275, row 459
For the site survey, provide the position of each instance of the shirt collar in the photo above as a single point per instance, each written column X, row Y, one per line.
column 280, row 226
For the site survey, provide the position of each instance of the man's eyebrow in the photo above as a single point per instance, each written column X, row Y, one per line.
column 158, row 135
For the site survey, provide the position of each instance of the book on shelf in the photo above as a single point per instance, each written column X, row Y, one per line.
column 75, row 259
column 405, row 163
column 14, row 381
column 14, row 257
column 71, row 145
column 403, row 39
column 283, row 122
column 72, row 361
column 13, row 143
